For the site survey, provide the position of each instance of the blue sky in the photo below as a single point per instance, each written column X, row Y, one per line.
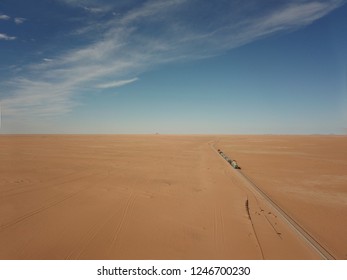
column 173, row 66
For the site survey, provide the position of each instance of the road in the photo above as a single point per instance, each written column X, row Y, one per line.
column 298, row 229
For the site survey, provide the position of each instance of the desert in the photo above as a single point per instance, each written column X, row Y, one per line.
column 172, row 197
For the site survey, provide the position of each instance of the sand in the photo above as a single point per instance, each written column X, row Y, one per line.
column 305, row 175
column 169, row 197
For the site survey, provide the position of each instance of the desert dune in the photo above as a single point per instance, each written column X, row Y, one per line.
column 170, row 197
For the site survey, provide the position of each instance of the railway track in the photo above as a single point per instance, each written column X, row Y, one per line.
column 300, row 231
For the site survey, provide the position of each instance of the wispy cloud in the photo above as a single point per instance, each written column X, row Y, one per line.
column 19, row 20
column 94, row 10
column 117, row 83
column 91, row 6
column 4, row 17
column 40, row 99
column 151, row 9
column 6, row 37
column 295, row 15
column 156, row 32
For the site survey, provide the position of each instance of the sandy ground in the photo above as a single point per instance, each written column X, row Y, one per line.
column 305, row 175
column 168, row 197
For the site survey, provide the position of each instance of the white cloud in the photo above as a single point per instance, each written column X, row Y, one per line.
column 4, row 17
column 94, row 10
column 6, row 37
column 79, row 2
column 37, row 98
column 299, row 14
column 150, row 9
column 117, row 83
column 159, row 31
column 91, row 6
column 19, row 20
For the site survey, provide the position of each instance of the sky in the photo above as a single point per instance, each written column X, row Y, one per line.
column 173, row 66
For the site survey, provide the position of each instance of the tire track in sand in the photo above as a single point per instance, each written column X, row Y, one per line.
column 218, row 230
column 300, row 231
column 124, row 219
column 93, row 232
column 88, row 238
column 47, row 206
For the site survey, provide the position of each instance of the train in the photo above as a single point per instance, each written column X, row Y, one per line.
column 232, row 162
column 235, row 165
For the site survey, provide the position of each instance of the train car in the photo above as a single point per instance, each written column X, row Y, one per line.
column 235, row 165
